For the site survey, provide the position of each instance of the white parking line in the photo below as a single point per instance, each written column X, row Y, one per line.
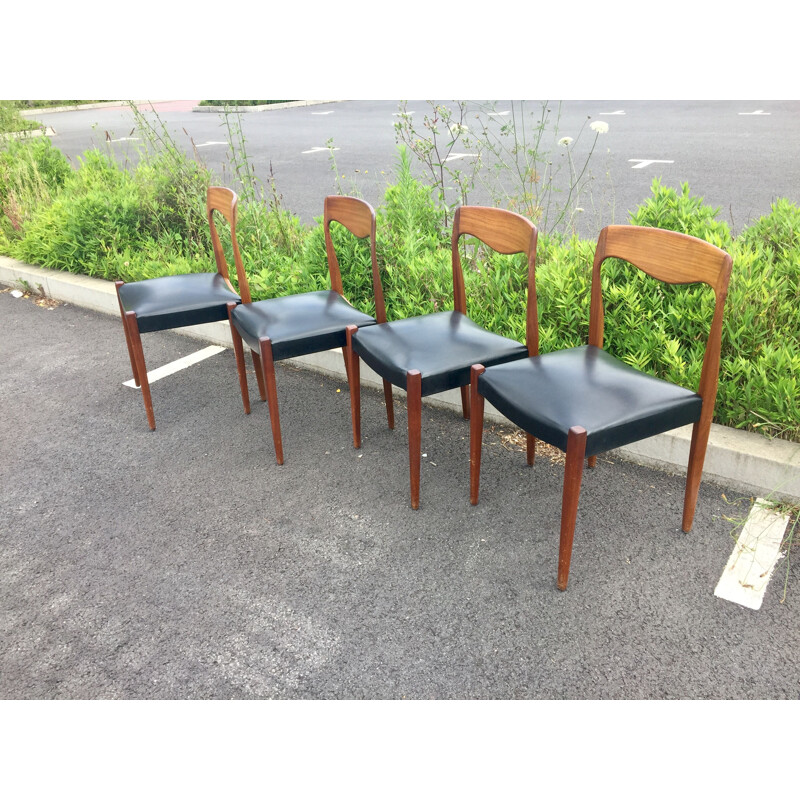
column 753, row 560
column 181, row 363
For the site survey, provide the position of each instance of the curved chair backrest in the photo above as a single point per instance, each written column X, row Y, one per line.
column 506, row 232
column 670, row 257
column 225, row 201
column 358, row 217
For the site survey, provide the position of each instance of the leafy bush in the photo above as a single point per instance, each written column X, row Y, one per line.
column 150, row 220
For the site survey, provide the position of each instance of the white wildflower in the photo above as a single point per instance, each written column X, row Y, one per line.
column 598, row 126
column 565, row 141
column 458, row 129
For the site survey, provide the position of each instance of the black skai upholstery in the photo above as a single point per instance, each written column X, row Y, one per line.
column 298, row 324
column 547, row 395
column 442, row 346
column 175, row 301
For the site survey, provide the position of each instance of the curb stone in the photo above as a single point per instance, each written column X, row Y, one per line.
column 739, row 460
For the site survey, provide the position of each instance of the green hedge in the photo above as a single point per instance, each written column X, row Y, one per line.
column 103, row 220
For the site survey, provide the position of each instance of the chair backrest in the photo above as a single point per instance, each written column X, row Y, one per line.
column 506, row 232
column 225, row 201
column 670, row 257
column 358, row 217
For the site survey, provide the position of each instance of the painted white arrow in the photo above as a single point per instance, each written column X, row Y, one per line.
column 645, row 162
column 759, row 113
column 456, row 156
column 319, row 149
column 208, row 144
column 612, row 113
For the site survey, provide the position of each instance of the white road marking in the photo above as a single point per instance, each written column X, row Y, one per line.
column 208, row 144
column 320, row 113
column 612, row 113
column 758, row 113
column 753, row 560
column 456, row 156
column 125, row 139
column 179, row 364
column 402, row 113
column 499, row 113
column 645, row 162
column 319, row 150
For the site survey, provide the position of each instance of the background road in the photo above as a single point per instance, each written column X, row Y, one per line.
column 738, row 155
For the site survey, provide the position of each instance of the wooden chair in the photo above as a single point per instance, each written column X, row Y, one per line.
column 431, row 353
column 311, row 322
column 584, row 401
column 176, row 301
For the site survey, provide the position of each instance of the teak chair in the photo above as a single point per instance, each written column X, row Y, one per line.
column 177, row 301
column 432, row 353
column 585, row 402
column 311, row 322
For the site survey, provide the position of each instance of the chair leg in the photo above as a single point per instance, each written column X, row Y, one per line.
column 117, row 284
column 465, row 401
column 132, row 327
column 592, row 461
column 354, row 384
column 387, row 396
column 694, row 472
column 414, row 394
column 573, row 472
column 238, row 350
column 530, row 448
column 475, row 432
column 259, row 370
column 268, row 366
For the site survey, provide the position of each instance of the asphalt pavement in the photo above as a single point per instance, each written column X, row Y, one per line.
column 185, row 564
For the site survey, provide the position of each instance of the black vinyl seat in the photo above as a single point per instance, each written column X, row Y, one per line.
column 177, row 301
column 298, row 324
column 428, row 354
column 310, row 322
column 443, row 346
column 616, row 403
column 585, row 401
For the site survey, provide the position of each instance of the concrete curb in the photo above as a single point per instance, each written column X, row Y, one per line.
column 739, row 460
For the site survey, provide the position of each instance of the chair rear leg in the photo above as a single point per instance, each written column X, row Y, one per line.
column 694, row 472
column 354, row 385
column 131, row 356
column 268, row 367
column 132, row 327
column 573, row 473
column 465, row 401
column 475, row 432
column 530, row 448
column 259, row 370
column 414, row 392
column 238, row 350
column 387, row 396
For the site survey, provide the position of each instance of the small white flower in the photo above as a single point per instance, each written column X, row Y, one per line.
column 578, row 210
column 456, row 128
column 565, row 141
column 598, row 126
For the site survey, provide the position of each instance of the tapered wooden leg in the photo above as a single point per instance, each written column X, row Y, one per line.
column 414, row 392
column 476, row 403
column 387, row 396
column 530, row 448
column 268, row 366
column 694, row 472
column 592, row 461
column 354, row 384
column 117, row 284
column 346, row 363
column 238, row 349
column 465, row 401
column 573, row 473
column 132, row 326
column 259, row 370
